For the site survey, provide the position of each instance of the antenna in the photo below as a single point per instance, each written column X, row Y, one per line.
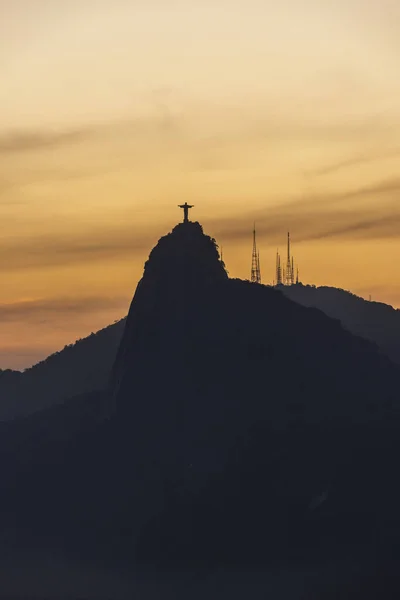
column 278, row 275
column 288, row 271
column 292, row 273
column 255, row 261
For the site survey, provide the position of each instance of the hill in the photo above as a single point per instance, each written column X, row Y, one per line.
column 86, row 365
column 77, row 369
column 373, row 321
column 240, row 430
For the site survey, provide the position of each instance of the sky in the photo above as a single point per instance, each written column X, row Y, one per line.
column 113, row 112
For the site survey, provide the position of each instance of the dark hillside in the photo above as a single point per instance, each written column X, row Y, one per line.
column 373, row 321
column 77, row 369
column 86, row 365
column 240, row 430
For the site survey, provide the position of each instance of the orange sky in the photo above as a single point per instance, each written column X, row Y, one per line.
column 112, row 113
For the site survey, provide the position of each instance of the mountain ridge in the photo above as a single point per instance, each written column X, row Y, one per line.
column 376, row 321
column 230, row 410
column 73, row 370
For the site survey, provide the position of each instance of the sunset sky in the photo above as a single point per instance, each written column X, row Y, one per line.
column 112, row 112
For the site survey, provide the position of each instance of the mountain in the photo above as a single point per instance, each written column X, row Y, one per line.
column 239, row 431
column 77, row 369
column 374, row 321
column 86, row 365
column 215, row 376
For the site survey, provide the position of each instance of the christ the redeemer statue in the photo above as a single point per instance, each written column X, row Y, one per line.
column 185, row 207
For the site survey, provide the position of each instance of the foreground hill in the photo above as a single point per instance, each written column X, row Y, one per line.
column 373, row 321
column 240, row 430
column 77, row 369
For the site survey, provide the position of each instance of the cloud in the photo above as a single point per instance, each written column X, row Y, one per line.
column 43, row 309
column 233, row 127
column 25, row 141
column 205, row 126
column 344, row 216
column 160, row 120
column 348, row 216
column 56, row 250
column 356, row 161
column 26, row 177
column 382, row 187
column 309, row 226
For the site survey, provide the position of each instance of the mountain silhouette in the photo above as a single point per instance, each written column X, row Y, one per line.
column 235, row 363
column 77, row 369
column 238, row 428
column 375, row 321
column 86, row 365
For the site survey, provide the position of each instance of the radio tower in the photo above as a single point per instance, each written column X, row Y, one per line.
column 255, row 261
column 288, row 272
column 278, row 269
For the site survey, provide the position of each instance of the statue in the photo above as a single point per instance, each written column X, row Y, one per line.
column 185, row 207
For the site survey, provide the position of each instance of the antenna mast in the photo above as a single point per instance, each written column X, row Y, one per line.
column 278, row 269
column 292, row 273
column 288, row 272
column 255, row 261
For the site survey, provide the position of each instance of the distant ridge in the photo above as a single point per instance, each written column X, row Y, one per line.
column 79, row 368
column 374, row 321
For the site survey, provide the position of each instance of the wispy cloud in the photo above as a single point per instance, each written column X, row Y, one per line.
column 369, row 212
column 356, row 161
column 26, row 177
column 161, row 120
column 43, row 309
column 56, row 250
column 344, row 215
column 24, row 141
column 207, row 126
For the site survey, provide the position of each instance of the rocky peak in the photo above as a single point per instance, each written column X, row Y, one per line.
column 186, row 255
